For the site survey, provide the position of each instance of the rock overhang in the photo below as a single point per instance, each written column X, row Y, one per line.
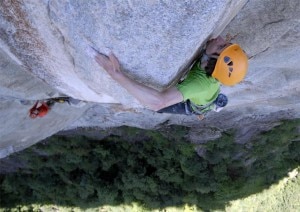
column 154, row 40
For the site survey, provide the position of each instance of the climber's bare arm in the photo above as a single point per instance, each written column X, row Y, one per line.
column 149, row 97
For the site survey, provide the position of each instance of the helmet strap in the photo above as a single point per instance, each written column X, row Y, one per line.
column 204, row 58
column 213, row 56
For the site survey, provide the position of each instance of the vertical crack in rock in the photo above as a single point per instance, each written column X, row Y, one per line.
column 273, row 22
column 56, row 28
column 259, row 53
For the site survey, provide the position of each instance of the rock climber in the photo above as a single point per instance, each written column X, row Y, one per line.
column 42, row 107
column 39, row 109
column 221, row 62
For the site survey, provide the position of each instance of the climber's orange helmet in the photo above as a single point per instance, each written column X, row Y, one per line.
column 231, row 66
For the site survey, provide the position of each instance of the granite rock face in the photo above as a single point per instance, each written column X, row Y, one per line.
column 269, row 31
column 154, row 40
column 43, row 54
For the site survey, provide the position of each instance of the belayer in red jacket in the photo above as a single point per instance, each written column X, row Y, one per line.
column 39, row 109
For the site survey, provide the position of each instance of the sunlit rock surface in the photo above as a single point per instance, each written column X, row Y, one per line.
column 43, row 54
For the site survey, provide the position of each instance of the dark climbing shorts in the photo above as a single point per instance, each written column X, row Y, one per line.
column 186, row 108
column 179, row 108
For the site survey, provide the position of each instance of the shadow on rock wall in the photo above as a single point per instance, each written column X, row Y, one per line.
column 129, row 165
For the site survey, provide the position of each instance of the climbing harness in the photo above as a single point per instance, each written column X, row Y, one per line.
column 217, row 105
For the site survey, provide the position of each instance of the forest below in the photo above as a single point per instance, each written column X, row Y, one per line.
column 153, row 169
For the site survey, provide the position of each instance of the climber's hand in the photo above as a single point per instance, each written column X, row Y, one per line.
column 115, row 61
column 110, row 64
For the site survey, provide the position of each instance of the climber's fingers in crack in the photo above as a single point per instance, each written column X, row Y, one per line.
column 114, row 61
column 104, row 62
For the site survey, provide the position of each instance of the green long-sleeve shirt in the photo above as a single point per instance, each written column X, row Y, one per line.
column 199, row 88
